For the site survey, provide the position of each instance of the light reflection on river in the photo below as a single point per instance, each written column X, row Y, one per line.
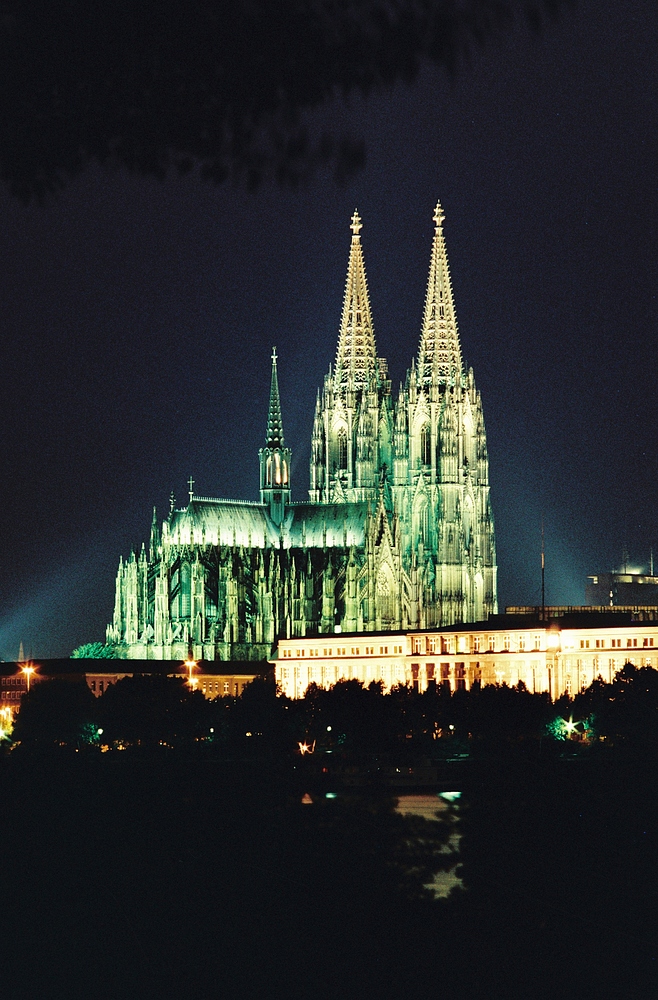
column 438, row 809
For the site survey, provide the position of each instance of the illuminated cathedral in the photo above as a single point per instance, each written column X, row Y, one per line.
column 397, row 531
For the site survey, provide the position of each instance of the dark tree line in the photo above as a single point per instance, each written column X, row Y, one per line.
column 348, row 719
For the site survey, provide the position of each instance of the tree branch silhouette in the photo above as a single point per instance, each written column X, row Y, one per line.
column 224, row 87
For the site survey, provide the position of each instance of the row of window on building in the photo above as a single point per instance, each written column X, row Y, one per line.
column 98, row 686
column 512, row 644
column 634, row 643
column 421, row 645
column 211, row 687
column 342, row 651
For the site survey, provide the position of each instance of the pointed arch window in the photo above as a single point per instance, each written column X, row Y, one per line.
column 422, row 521
column 467, row 521
column 185, row 590
column 276, row 470
column 342, row 449
column 385, row 597
column 425, row 524
column 280, row 470
column 425, row 445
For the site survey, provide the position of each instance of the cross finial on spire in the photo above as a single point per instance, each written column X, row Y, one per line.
column 190, row 483
column 439, row 215
column 356, row 226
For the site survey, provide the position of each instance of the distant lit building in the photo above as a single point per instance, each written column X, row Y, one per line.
column 554, row 655
column 12, row 688
column 622, row 589
column 214, row 680
column 212, row 684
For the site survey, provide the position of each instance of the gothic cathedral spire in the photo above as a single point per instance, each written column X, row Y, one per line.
column 274, row 421
column 274, row 457
column 356, row 358
column 439, row 355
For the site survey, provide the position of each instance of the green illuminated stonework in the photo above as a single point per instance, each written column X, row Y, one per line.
column 397, row 531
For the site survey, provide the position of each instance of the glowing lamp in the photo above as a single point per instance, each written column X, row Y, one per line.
column 191, row 665
column 553, row 640
column 28, row 671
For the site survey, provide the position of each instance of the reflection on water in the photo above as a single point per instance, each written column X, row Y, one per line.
column 440, row 808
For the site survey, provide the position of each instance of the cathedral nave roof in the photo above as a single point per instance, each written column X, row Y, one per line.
column 243, row 522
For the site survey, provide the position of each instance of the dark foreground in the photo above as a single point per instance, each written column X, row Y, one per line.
column 139, row 878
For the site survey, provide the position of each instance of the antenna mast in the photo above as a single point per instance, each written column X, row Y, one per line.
column 543, row 564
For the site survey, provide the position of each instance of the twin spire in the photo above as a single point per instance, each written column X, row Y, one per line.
column 439, row 355
column 356, row 357
column 358, row 369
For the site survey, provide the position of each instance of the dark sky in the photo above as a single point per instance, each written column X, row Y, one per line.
column 138, row 319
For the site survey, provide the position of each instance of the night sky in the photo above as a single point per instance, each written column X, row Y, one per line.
column 138, row 319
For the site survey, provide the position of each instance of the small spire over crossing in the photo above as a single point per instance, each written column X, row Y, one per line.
column 274, row 420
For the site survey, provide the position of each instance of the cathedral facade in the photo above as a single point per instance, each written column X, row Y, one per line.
column 397, row 532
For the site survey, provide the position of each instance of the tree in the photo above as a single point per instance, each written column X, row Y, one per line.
column 627, row 709
column 150, row 709
column 56, row 711
column 95, row 651
column 223, row 86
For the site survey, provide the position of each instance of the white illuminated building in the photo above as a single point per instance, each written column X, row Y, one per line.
column 556, row 657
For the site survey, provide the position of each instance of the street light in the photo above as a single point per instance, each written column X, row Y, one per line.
column 28, row 671
column 191, row 680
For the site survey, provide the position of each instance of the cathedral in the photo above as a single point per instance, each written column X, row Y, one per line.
column 397, row 532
